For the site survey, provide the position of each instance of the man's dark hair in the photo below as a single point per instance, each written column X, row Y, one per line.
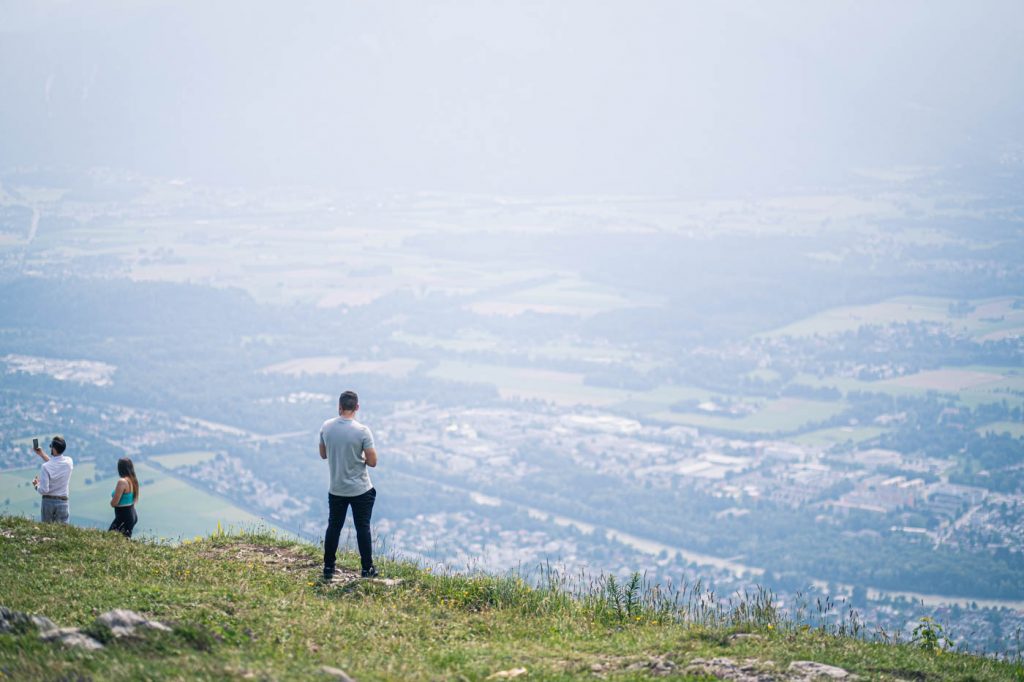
column 348, row 401
column 59, row 445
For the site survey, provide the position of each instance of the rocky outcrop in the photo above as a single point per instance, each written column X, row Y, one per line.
column 811, row 671
column 335, row 673
column 754, row 670
column 70, row 637
column 747, row 670
column 16, row 621
column 120, row 623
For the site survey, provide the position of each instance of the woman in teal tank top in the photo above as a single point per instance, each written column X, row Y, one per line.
column 124, row 497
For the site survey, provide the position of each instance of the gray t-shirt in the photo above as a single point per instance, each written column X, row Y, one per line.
column 345, row 440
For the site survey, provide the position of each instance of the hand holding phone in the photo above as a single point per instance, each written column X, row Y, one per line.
column 35, row 443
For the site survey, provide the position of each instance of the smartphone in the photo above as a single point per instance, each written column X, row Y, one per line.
column 35, row 443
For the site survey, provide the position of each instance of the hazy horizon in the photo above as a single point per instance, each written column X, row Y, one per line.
column 573, row 97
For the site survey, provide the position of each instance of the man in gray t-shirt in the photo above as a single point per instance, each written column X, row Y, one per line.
column 348, row 448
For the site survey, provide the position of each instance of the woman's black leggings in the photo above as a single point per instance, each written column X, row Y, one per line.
column 125, row 519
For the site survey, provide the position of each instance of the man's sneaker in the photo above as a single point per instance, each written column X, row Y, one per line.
column 370, row 572
column 328, row 574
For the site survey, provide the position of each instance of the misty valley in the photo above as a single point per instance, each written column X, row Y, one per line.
column 821, row 393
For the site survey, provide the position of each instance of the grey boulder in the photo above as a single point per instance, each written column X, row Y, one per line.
column 70, row 637
column 123, row 622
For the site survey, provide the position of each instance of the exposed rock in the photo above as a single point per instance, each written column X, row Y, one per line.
column 15, row 621
column 70, row 637
column 744, row 637
column 811, row 671
column 507, row 674
column 336, row 673
column 753, row 670
column 42, row 623
column 12, row 621
column 748, row 670
column 656, row 665
column 123, row 622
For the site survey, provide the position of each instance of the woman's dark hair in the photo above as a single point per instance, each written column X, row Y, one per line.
column 125, row 469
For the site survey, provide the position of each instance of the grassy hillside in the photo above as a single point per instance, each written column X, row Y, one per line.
column 250, row 606
column 165, row 497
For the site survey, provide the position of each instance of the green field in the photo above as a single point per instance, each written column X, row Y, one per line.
column 972, row 384
column 183, row 459
column 1015, row 429
column 564, row 388
column 569, row 389
column 764, row 375
column 167, row 508
column 567, row 296
column 990, row 319
column 782, row 414
column 842, row 434
column 566, row 348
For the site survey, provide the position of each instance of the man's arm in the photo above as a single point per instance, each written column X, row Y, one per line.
column 370, row 457
column 44, row 482
column 323, row 451
column 39, row 451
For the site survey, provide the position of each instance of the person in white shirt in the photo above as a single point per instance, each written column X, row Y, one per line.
column 53, row 482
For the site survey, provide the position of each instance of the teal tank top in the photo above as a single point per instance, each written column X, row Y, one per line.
column 127, row 499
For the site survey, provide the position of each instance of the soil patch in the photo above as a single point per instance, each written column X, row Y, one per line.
column 280, row 558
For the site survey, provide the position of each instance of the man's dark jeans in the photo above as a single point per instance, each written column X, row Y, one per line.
column 362, row 510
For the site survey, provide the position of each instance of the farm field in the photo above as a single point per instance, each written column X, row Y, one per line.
column 332, row 365
column 561, row 388
column 952, row 380
column 168, row 508
column 842, row 434
column 177, row 460
column 990, row 319
column 463, row 342
column 566, row 295
column 782, row 414
column 1015, row 429
column 973, row 384
column 564, row 388
column 567, row 348
column 284, row 263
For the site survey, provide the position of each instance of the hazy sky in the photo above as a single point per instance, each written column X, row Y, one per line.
column 561, row 96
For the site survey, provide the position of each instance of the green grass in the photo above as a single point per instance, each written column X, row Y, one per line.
column 568, row 295
column 564, row 388
column 782, row 414
column 167, row 508
column 249, row 606
column 565, row 348
column 764, row 375
column 1015, row 429
column 991, row 318
column 183, row 459
column 826, row 437
column 972, row 385
column 568, row 388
